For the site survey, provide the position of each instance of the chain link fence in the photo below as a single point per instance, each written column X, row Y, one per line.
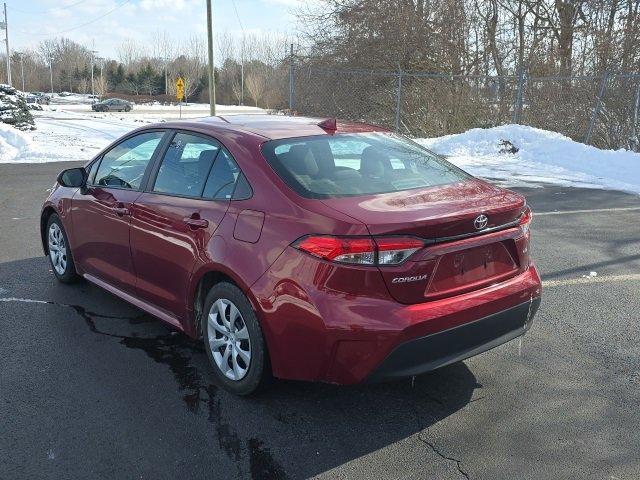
column 598, row 110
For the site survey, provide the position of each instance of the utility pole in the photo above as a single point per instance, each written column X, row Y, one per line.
column 212, row 80
column 51, row 72
column 6, row 40
column 242, row 73
column 93, row 52
column 100, row 61
column 292, row 83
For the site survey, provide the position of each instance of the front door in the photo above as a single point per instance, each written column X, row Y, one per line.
column 102, row 212
column 173, row 221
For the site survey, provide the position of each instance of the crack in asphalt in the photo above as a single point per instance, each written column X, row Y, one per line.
column 176, row 350
column 422, row 424
column 445, row 457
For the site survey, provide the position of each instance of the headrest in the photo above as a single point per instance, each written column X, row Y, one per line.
column 300, row 161
column 205, row 159
column 207, row 155
column 373, row 162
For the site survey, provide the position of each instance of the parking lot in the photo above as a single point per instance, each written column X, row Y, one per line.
column 90, row 387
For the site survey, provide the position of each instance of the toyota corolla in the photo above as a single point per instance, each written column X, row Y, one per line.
column 298, row 248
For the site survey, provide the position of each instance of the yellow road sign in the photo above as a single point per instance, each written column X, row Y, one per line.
column 179, row 88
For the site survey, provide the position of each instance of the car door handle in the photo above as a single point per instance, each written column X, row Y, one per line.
column 196, row 222
column 121, row 211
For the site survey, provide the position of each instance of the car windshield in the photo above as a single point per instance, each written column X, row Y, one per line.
column 357, row 164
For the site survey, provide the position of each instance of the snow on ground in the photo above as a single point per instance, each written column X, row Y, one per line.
column 44, row 145
column 71, row 98
column 543, row 157
column 15, row 143
column 157, row 111
column 66, row 134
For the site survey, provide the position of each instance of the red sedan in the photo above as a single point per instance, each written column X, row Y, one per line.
column 298, row 248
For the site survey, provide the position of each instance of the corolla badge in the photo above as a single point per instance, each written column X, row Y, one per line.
column 417, row 278
column 481, row 222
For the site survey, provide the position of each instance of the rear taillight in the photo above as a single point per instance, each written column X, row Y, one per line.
column 359, row 250
column 339, row 249
column 395, row 250
column 525, row 220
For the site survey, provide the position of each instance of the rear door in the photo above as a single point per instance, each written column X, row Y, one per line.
column 102, row 212
column 188, row 195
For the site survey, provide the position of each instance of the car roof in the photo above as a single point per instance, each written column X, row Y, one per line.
column 273, row 127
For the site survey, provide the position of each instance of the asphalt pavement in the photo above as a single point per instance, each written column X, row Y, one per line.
column 91, row 387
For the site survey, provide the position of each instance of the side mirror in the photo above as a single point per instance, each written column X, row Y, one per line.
column 73, row 177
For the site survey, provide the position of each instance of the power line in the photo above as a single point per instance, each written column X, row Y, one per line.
column 238, row 16
column 53, row 34
column 47, row 10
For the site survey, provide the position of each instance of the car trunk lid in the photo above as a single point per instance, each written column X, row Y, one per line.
column 462, row 252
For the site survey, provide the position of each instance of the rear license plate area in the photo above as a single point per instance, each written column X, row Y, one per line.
column 471, row 268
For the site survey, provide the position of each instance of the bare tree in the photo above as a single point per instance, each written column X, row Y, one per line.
column 163, row 49
column 190, row 66
column 130, row 52
column 256, row 85
column 236, row 89
column 83, row 86
column 101, row 85
column 560, row 19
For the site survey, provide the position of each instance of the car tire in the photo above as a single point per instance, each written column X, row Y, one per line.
column 231, row 333
column 59, row 251
column 127, row 109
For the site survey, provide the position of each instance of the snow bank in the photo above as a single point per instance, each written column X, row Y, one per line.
column 15, row 144
column 47, row 145
column 65, row 135
column 543, row 157
column 72, row 99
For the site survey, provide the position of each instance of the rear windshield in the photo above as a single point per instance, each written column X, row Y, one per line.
column 357, row 164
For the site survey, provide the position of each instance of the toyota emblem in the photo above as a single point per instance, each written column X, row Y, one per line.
column 481, row 222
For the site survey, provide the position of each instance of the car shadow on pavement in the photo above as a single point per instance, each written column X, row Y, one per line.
column 291, row 430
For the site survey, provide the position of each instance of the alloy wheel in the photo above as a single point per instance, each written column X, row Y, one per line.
column 57, row 249
column 228, row 339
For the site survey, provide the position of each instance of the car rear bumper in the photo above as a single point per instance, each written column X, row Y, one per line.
column 326, row 322
column 427, row 353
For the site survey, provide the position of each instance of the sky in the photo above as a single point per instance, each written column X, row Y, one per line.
column 108, row 23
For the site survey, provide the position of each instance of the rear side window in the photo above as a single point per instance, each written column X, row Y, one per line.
column 357, row 164
column 186, row 165
column 124, row 165
column 243, row 190
column 222, row 178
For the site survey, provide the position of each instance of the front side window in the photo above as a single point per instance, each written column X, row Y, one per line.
column 124, row 165
column 186, row 165
column 91, row 171
column 357, row 164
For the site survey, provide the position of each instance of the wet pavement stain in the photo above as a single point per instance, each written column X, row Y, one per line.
column 176, row 350
column 261, row 462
